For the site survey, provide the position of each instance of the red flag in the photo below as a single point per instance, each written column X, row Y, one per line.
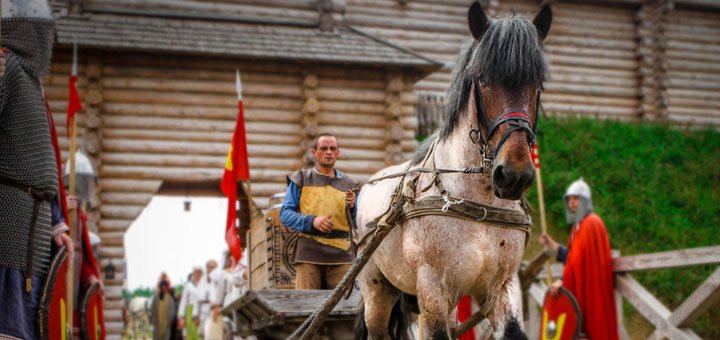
column 74, row 102
column 535, row 156
column 464, row 311
column 236, row 169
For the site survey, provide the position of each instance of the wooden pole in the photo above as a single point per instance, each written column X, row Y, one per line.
column 541, row 200
column 72, row 215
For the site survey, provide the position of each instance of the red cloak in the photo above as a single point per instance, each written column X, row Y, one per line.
column 588, row 275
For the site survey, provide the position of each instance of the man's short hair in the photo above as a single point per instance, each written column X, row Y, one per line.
column 324, row 134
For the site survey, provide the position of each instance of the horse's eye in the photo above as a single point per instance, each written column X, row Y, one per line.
column 483, row 82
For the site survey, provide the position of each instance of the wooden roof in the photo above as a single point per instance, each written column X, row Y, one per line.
column 235, row 39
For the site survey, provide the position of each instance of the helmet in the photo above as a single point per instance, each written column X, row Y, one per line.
column 36, row 9
column 83, row 166
column 28, row 30
column 578, row 188
column 581, row 189
column 85, row 177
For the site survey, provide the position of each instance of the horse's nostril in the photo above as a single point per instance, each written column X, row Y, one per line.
column 499, row 176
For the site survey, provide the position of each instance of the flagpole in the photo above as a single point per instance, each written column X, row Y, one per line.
column 239, row 88
column 541, row 200
column 71, row 216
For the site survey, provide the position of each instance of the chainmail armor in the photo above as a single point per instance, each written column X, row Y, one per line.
column 31, row 41
column 26, row 155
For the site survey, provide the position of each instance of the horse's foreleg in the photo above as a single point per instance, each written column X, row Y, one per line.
column 506, row 315
column 379, row 297
column 435, row 304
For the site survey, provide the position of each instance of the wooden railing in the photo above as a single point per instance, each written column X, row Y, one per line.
column 669, row 324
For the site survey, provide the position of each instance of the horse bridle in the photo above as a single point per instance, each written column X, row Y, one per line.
column 517, row 118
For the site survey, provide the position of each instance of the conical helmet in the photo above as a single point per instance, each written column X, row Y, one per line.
column 578, row 188
column 581, row 189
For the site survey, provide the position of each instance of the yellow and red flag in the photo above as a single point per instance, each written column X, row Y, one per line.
column 236, row 169
column 74, row 102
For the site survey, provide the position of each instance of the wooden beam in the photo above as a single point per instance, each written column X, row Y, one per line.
column 669, row 259
column 706, row 296
column 712, row 4
column 650, row 308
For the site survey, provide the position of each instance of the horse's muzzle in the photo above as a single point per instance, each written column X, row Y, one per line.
column 510, row 182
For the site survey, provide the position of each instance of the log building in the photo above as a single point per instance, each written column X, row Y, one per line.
column 157, row 82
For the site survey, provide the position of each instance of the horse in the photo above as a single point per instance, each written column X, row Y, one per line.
column 476, row 166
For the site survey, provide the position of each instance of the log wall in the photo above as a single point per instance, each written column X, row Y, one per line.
column 692, row 67
column 633, row 61
column 154, row 118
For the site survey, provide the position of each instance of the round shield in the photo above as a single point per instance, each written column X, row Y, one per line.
column 90, row 313
column 52, row 318
column 561, row 319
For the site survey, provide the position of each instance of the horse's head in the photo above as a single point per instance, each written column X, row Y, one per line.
column 505, row 70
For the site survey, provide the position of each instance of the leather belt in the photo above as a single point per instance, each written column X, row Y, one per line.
column 331, row 234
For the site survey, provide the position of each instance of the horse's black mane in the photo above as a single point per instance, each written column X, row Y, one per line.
column 509, row 55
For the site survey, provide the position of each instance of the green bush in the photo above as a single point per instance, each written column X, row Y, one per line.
column 656, row 187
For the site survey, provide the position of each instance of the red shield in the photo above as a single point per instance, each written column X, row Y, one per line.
column 90, row 313
column 561, row 317
column 53, row 305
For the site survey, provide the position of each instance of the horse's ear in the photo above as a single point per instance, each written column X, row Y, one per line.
column 542, row 21
column 477, row 20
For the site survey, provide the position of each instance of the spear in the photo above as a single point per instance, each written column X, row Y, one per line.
column 72, row 124
column 541, row 199
column 239, row 88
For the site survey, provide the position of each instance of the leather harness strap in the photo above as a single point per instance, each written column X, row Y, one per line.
column 466, row 209
column 38, row 196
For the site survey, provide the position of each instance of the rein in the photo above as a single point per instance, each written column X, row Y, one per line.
column 445, row 204
column 517, row 118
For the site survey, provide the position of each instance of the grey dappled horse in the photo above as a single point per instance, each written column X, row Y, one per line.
column 486, row 138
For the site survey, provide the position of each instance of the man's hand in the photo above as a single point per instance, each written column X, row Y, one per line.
column 101, row 285
column 323, row 223
column 63, row 239
column 2, row 63
column 548, row 242
column 181, row 323
column 350, row 198
column 555, row 287
column 72, row 202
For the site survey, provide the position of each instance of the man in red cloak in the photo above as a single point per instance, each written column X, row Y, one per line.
column 588, row 272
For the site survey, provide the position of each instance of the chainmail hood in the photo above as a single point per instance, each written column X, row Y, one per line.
column 31, row 41
column 581, row 189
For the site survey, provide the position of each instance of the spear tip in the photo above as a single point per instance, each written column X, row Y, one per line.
column 238, row 84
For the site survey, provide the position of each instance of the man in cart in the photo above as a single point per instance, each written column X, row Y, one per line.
column 319, row 204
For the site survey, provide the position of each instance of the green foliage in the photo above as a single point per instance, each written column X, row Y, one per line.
column 143, row 291
column 655, row 186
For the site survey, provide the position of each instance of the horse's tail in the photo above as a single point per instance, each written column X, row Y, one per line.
column 401, row 317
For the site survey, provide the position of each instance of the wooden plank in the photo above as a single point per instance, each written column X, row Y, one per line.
column 706, row 296
column 301, row 303
column 649, row 307
column 532, row 327
column 669, row 259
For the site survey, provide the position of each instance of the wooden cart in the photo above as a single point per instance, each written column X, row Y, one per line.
column 272, row 308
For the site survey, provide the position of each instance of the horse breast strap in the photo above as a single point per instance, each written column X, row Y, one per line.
column 467, row 209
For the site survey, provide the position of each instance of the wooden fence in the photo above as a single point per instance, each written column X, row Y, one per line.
column 669, row 324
